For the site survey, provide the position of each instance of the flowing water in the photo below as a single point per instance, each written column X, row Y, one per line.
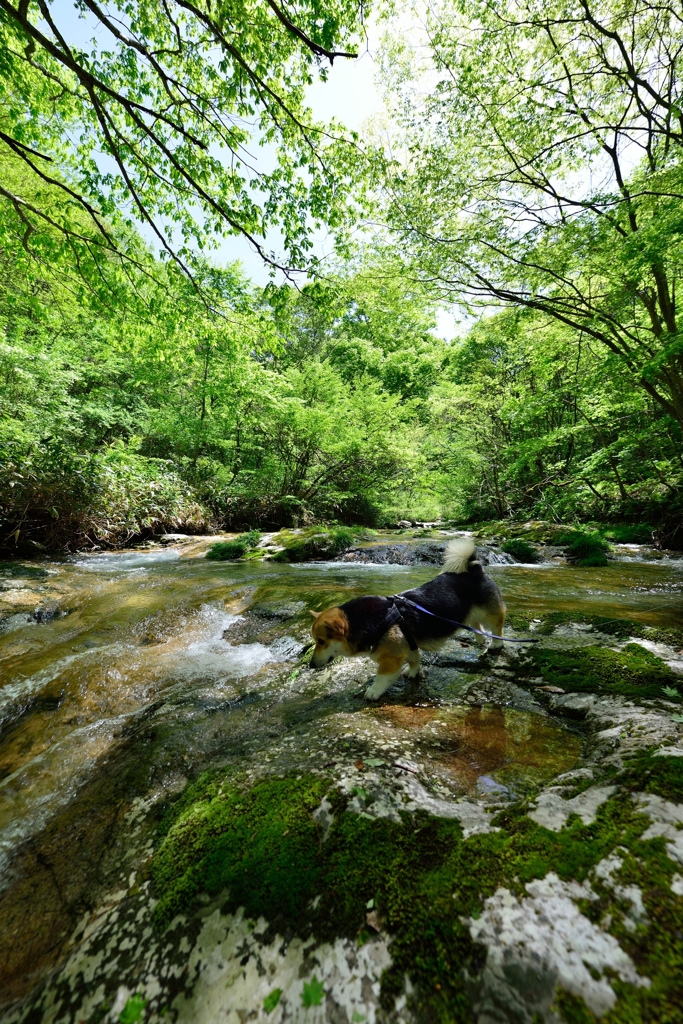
column 147, row 666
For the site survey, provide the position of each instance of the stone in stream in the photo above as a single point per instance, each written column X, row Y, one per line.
column 47, row 611
column 469, row 848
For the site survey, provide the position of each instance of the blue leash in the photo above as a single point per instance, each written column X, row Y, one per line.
column 461, row 625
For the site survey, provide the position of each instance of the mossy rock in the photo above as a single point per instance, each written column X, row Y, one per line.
column 229, row 550
column 522, row 551
column 316, row 545
column 631, row 672
column 265, row 851
column 17, row 570
column 621, row 628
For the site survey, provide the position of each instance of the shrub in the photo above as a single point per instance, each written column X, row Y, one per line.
column 586, row 549
column 521, row 551
column 52, row 495
column 229, row 550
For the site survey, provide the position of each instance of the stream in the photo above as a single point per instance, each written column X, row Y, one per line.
column 126, row 674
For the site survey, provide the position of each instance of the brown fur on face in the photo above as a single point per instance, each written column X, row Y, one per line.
column 330, row 631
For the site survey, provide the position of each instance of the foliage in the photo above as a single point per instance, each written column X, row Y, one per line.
column 313, row 993
column 133, row 1010
column 149, row 107
column 271, row 1000
column 544, row 167
column 586, row 549
column 134, row 402
column 530, row 423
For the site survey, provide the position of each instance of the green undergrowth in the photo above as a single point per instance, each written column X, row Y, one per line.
column 629, row 533
column 229, row 550
column 315, row 544
column 542, row 532
column 583, row 548
column 262, row 850
column 631, row 672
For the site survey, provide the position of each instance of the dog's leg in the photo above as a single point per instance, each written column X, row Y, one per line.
column 413, row 665
column 494, row 622
column 389, row 665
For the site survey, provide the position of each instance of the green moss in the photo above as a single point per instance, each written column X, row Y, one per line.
column 520, row 623
column 317, row 544
column 650, row 773
column 631, row 672
column 585, row 549
column 229, row 550
column 521, row 550
column 572, row 1009
column 260, row 844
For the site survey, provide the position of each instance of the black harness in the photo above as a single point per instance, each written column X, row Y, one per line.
column 394, row 617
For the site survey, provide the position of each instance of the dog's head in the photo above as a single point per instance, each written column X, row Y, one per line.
column 330, row 631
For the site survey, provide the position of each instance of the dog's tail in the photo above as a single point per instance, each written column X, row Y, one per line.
column 459, row 555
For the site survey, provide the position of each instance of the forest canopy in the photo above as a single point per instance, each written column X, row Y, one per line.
column 530, row 178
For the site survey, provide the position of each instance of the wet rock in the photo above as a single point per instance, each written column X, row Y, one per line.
column 441, row 773
column 278, row 610
column 416, row 552
column 617, row 727
column 491, row 556
column 47, row 611
column 404, row 553
column 18, row 570
column 287, row 648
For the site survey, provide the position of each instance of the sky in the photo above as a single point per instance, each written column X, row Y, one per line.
column 350, row 96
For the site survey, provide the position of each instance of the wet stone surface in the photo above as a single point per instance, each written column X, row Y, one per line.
column 196, row 826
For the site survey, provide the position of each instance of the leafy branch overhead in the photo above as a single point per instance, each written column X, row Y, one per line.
column 544, row 168
column 157, row 118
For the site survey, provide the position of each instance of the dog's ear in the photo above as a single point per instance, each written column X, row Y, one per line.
column 337, row 624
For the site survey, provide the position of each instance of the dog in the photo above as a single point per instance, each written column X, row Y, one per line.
column 392, row 631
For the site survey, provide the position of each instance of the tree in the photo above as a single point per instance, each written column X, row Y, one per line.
column 151, row 121
column 544, row 169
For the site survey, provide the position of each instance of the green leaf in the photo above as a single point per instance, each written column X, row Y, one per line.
column 313, row 992
column 271, row 1000
column 670, row 691
column 370, row 904
column 133, row 1010
column 374, row 762
column 358, row 1018
column 677, row 718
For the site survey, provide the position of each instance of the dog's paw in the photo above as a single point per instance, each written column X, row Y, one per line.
column 374, row 692
column 414, row 673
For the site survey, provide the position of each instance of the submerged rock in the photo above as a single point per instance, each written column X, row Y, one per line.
column 47, row 611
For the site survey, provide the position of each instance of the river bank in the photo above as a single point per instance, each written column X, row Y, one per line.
column 339, row 861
